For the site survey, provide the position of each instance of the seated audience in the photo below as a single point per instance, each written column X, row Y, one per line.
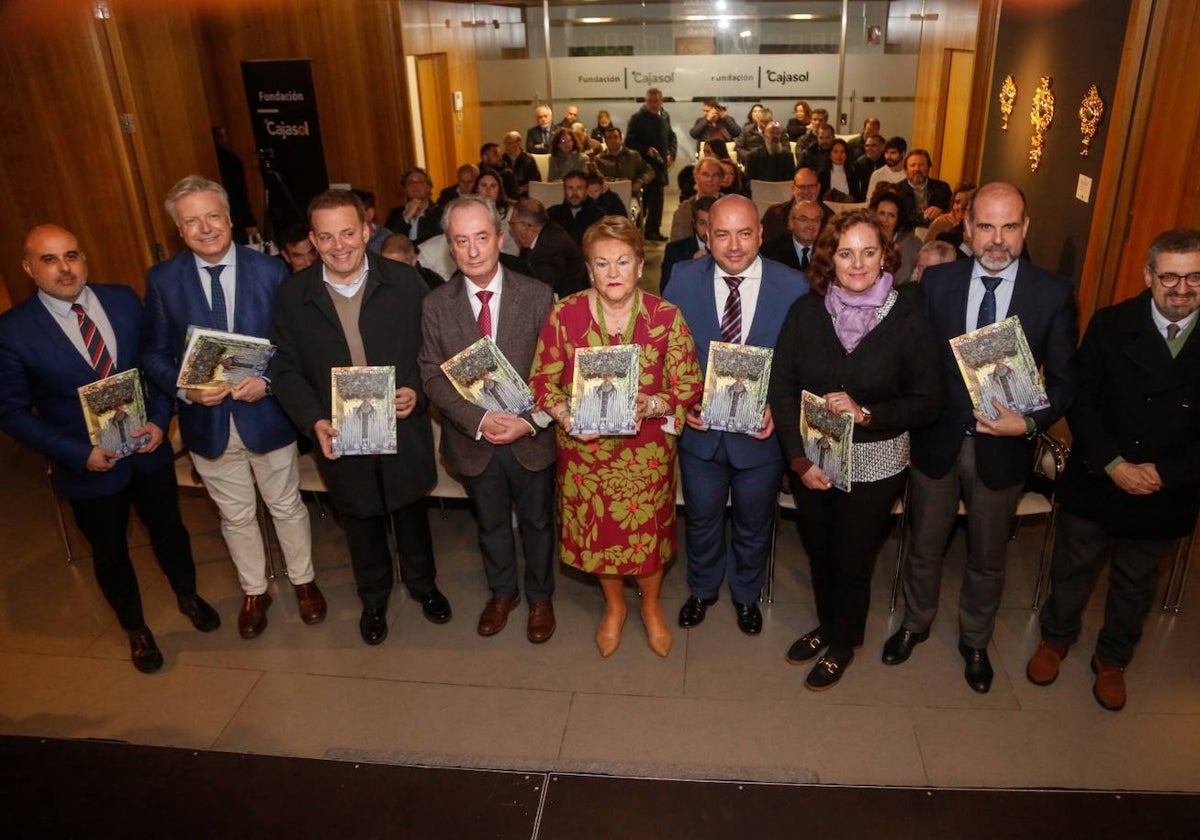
column 709, row 174
column 933, row 252
column 537, row 138
column 692, row 247
column 577, row 212
column 797, row 125
column 418, row 218
column 547, row 251
column 840, row 182
column 465, row 185
column 816, row 155
column 892, row 172
column 522, row 165
column 296, row 247
column 566, row 156
column 399, row 247
column 892, row 211
column 773, row 162
column 795, row 248
column 378, row 232
column 714, row 124
column 606, row 199
column 806, row 186
column 492, row 188
column 929, row 197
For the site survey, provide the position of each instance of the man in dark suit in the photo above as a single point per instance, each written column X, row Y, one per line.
column 806, row 186
column 794, row 249
column 734, row 295
column 522, row 165
column 964, row 454
column 928, row 197
column 1132, row 484
column 505, row 458
column 537, row 138
column 355, row 308
column 692, row 247
column 68, row 335
column 466, row 175
column 578, row 211
column 649, row 134
column 418, row 218
column 548, row 253
column 238, row 435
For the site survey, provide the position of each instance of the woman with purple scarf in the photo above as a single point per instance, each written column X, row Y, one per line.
column 867, row 349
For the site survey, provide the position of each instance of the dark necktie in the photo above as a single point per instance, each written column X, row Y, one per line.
column 804, row 258
column 97, row 352
column 1172, row 332
column 485, row 313
column 987, row 307
column 219, row 312
column 731, row 320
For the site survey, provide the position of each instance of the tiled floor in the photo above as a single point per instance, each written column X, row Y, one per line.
column 722, row 705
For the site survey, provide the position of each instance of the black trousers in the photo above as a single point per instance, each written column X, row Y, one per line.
column 371, row 557
column 501, row 487
column 105, row 521
column 652, row 200
column 842, row 534
column 1081, row 548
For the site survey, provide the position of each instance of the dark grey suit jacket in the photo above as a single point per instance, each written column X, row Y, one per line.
column 448, row 327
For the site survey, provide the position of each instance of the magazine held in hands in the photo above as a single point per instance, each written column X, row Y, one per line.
column 215, row 359
column 604, row 390
column 995, row 361
column 735, row 388
column 364, row 414
column 483, row 376
column 113, row 409
column 828, row 439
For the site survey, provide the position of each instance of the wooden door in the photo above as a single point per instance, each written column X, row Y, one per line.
column 957, row 73
column 437, row 118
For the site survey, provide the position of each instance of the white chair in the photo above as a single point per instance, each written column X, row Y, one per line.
column 547, row 192
column 842, row 207
column 1177, row 580
column 771, row 192
column 543, row 164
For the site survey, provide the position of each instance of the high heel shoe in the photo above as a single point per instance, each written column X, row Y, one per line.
column 608, row 634
column 658, row 632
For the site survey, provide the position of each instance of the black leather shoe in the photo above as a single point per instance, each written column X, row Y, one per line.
column 828, row 670
column 204, row 617
column 435, row 606
column 693, row 611
column 979, row 668
column 143, row 650
column 806, row 647
column 373, row 626
column 900, row 646
column 749, row 618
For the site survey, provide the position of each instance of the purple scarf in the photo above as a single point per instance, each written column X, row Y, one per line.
column 854, row 315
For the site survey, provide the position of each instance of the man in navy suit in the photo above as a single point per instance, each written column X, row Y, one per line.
column 70, row 335
column 732, row 295
column 239, row 437
column 963, row 454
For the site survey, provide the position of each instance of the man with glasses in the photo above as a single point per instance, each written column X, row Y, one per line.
column 1132, row 485
column 795, row 248
column 806, row 186
column 418, row 218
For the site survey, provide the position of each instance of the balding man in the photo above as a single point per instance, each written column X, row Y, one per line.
column 69, row 335
column 520, row 163
column 732, row 295
column 794, row 249
column 537, row 138
column 964, row 455
column 806, row 186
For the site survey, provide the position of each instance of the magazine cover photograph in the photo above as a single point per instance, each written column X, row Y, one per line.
column 604, row 390
column 215, row 359
column 483, row 376
column 735, row 388
column 996, row 361
column 113, row 409
column 828, row 439
column 364, row 415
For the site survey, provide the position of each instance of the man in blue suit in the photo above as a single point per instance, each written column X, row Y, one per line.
column 963, row 454
column 239, row 437
column 732, row 295
column 68, row 335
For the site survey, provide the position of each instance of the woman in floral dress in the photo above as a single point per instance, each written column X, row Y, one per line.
column 616, row 493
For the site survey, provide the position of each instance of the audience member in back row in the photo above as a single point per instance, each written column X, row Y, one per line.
column 774, row 161
column 603, row 124
column 806, row 186
column 891, row 211
column 522, row 165
column 892, row 172
column 709, row 173
column 608, row 201
column 816, row 155
column 466, row 174
column 492, row 188
column 491, row 158
column 296, row 247
column 577, row 212
column 929, row 197
column 857, row 143
column 566, row 155
column 753, row 136
column 948, row 227
column 418, row 218
column 797, row 125
column 872, row 158
column 714, row 124
column 548, row 252
column 795, row 248
column 399, row 247
column 617, row 161
column 537, row 138
column 378, row 232
column 839, row 181
column 691, row 247
column 933, row 252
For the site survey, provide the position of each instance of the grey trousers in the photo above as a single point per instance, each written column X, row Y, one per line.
column 989, row 526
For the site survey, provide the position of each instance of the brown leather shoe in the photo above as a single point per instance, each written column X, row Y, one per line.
column 1043, row 665
column 495, row 615
column 252, row 620
column 311, row 601
column 1109, row 689
column 541, row 624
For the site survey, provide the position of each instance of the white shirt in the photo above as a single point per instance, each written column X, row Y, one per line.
column 347, row 290
column 228, row 280
column 837, row 179
column 884, row 174
column 801, row 248
column 68, row 321
column 748, row 291
column 1004, row 292
column 495, row 287
column 1161, row 323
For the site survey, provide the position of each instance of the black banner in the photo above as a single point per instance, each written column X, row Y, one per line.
column 287, row 137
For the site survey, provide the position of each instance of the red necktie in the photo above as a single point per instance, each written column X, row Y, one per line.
column 485, row 313
column 731, row 321
column 97, row 352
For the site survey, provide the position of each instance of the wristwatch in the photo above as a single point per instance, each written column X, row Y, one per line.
column 866, row 413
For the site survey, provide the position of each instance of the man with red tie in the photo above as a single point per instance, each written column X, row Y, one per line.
column 68, row 335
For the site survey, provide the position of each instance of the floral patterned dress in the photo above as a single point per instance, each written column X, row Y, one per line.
column 616, row 495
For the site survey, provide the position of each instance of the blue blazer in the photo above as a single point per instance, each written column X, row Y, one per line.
column 40, row 374
column 174, row 300
column 1046, row 306
column 691, row 290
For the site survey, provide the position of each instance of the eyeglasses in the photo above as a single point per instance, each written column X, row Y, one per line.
column 1170, row 279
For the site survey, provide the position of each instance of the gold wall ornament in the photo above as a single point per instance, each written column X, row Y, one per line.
column 1008, row 95
column 1091, row 109
column 1041, row 115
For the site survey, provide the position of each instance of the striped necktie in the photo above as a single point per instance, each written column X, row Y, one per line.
column 731, row 320
column 97, row 352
